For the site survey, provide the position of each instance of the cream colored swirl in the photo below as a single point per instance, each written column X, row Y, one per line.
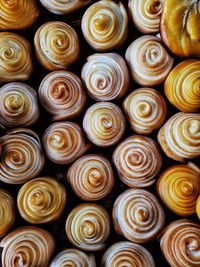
column 138, row 216
column 145, row 109
column 106, row 76
column 148, row 60
column 180, row 136
column 137, row 160
column 56, row 45
column 105, row 25
column 62, row 94
column 18, row 105
column 27, row 246
column 15, row 57
column 22, row 157
column 88, row 227
column 91, row 177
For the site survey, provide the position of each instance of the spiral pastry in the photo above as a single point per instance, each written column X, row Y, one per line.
column 27, row 246
column 180, row 244
column 198, row 207
column 180, row 136
column 15, row 57
column 62, row 95
column 18, row 105
column 127, row 254
column 64, row 142
column 105, row 25
column 137, row 160
column 148, row 60
column 7, row 211
column 104, row 124
column 88, row 227
column 137, row 215
column 182, row 86
column 22, row 157
column 145, row 109
column 56, row 45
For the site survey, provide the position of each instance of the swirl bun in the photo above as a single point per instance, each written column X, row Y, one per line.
column 15, row 57
column 27, row 246
column 88, row 227
column 62, row 95
column 145, row 109
column 198, row 207
column 105, row 25
column 179, row 137
column 148, row 60
column 138, row 161
column 56, row 45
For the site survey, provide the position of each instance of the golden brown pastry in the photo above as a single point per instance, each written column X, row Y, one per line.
column 180, row 136
column 138, row 216
column 145, row 109
column 56, row 45
column 88, row 227
column 179, row 27
column 15, row 58
column 137, row 160
column 105, row 25
column 148, row 60
column 27, row 246
column 198, row 207
column 182, row 86
column 62, row 94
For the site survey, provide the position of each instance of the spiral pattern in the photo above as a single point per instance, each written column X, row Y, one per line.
column 105, row 25
column 18, row 105
column 27, row 246
column 56, row 45
column 62, row 94
column 22, row 157
column 180, row 136
column 137, row 160
column 145, row 109
column 198, row 207
column 15, row 57
column 148, row 60
column 138, row 216
column 182, row 86
column 88, row 227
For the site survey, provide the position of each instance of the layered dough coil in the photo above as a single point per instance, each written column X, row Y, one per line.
column 27, row 246
column 62, row 94
column 137, row 160
column 138, row 216
column 180, row 244
column 88, row 227
column 41, row 200
column 15, row 57
column 106, row 76
column 180, row 136
column 18, row 105
column 22, row 157
column 182, row 86
column 105, row 25
column 56, row 45
column 91, row 177
column 198, row 207
column 104, row 124
column 145, row 109
column 148, row 60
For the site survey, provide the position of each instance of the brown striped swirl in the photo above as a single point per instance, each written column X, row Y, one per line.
column 137, row 160
column 145, row 109
column 148, row 60
column 62, row 94
column 56, row 45
column 138, row 216
column 27, row 246
column 106, row 76
column 180, row 136
column 88, row 227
